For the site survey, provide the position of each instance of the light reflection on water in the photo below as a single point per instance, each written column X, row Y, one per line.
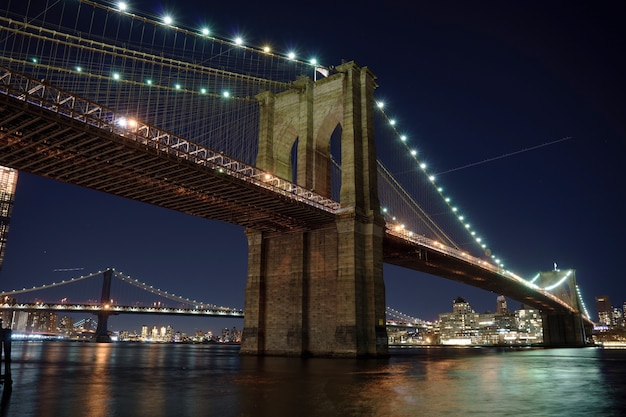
column 84, row 379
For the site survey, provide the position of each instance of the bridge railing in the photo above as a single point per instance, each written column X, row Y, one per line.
column 41, row 94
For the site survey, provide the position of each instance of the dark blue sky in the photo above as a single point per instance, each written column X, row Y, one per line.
column 470, row 82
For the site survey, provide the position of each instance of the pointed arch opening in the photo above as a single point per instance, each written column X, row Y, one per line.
column 335, row 163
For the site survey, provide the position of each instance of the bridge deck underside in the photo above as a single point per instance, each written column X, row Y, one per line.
column 411, row 256
column 51, row 145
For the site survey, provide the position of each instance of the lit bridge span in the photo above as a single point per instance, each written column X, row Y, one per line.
column 174, row 117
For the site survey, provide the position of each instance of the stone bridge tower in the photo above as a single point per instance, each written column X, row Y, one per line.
column 320, row 292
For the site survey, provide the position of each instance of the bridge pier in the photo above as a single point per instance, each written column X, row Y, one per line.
column 563, row 329
column 102, row 331
column 319, row 291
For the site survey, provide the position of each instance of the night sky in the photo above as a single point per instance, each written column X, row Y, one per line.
column 471, row 84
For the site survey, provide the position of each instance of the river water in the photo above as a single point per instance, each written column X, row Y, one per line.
column 65, row 379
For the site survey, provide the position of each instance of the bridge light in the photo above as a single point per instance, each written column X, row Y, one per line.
column 454, row 209
column 413, row 152
column 203, row 91
column 167, row 19
column 423, row 165
column 177, row 86
column 238, row 41
column 78, row 69
column 205, row 31
column 432, row 178
column 116, row 76
column 226, row 94
column 392, row 122
column 267, row 49
column 313, row 61
column 380, row 104
column 149, row 82
column 403, row 138
column 291, row 55
column 122, row 6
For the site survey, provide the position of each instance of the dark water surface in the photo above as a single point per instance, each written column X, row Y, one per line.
column 157, row 380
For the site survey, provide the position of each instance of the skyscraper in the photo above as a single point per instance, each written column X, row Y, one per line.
column 8, row 181
column 501, row 307
column 603, row 305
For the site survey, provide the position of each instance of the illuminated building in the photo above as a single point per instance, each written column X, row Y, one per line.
column 603, row 305
column 529, row 325
column 8, row 182
column 463, row 326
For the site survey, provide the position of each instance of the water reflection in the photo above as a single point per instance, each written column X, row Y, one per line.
column 74, row 379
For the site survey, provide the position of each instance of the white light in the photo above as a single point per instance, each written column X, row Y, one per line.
column 461, row 218
column 380, row 104
column 116, row 76
column 478, row 239
column 267, row 49
column 122, row 6
column 79, row 69
column 238, row 41
column 403, row 138
column 226, row 94
column 177, row 86
column 454, row 209
column 313, row 61
column 413, row 152
column 431, row 178
column 291, row 55
column 392, row 122
column 149, row 82
column 440, row 189
column 167, row 20
column 423, row 165
column 205, row 31
column 203, row 90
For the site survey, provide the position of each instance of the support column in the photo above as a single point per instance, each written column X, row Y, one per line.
column 563, row 330
column 102, row 331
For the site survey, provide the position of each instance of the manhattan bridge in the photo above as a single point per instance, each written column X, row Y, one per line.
column 298, row 153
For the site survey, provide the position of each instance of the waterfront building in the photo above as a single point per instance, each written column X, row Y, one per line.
column 8, row 182
column 66, row 326
column 529, row 325
column 460, row 327
column 463, row 326
column 35, row 322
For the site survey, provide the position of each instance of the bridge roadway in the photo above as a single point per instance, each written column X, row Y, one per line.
column 54, row 134
column 116, row 309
